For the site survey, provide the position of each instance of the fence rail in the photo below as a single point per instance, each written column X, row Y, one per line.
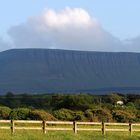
column 75, row 126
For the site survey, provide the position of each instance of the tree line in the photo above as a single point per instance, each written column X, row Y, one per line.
column 70, row 107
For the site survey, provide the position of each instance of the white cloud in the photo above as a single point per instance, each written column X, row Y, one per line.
column 132, row 44
column 71, row 28
column 4, row 45
column 67, row 17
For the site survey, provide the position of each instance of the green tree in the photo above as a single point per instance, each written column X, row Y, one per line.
column 4, row 112
column 19, row 114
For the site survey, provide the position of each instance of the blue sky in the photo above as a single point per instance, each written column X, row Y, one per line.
column 120, row 18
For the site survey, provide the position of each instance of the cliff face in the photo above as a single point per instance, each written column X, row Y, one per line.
column 44, row 70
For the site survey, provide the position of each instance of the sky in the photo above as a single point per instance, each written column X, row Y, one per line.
column 95, row 25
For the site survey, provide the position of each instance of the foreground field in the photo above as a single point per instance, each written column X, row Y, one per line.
column 23, row 130
column 36, row 135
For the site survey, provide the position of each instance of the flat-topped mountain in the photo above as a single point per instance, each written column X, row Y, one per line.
column 48, row 71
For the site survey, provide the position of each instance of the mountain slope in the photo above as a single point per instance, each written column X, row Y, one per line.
column 45, row 70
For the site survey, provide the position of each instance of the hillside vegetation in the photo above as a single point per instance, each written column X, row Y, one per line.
column 71, row 107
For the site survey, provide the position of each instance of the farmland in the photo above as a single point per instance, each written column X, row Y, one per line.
column 34, row 130
column 36, row 135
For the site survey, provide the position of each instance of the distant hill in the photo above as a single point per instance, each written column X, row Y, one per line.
column 46, row 70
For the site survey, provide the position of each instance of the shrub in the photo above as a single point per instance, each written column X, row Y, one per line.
column 89, row 115
column 137, row 103
column 137, row 119
column 41, row 115
column 64, row 114
column 113, row 98
column 101, row 114
column 123, row 115
column 79, row 116
column 4, row 112
column 69, row 115
column 19, row 114
column 77, row 102
column 104, row 115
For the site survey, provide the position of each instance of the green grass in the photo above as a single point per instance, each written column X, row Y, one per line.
column 59, row 135
column 67, row 135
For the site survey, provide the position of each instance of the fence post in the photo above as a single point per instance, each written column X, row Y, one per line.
column 12, row 126
column 44, row 126
column 131, row 128
column 103, row 128
column 75, row 127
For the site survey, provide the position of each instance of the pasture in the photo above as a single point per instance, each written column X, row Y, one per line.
column 51, row 130
column 61, row 135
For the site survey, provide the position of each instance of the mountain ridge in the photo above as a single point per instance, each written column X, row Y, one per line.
column 69, row 71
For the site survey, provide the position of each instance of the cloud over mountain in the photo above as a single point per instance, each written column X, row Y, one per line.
column 4, row 45
column 70, row 28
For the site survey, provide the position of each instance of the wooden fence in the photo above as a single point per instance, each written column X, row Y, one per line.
column 45, row 126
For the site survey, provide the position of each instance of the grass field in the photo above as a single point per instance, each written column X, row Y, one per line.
column 37, row 135
column 66, row 135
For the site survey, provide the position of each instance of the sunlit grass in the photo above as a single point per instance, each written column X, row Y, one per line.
column 68, row 135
